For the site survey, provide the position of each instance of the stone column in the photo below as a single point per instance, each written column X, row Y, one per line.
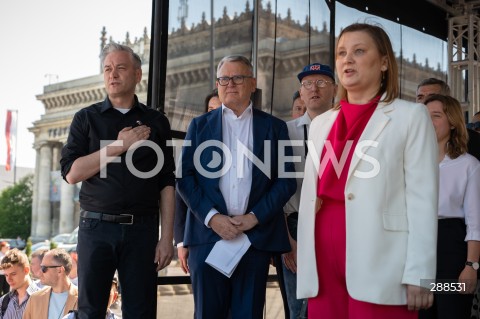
column 33, row 231
column 56, row 157
column 44, row 207
column 55, row 206
column 67, row 207
column 67, row 204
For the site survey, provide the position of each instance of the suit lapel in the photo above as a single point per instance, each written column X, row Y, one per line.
column 318, row 137
column 71, row 303
column 374, row 127
column 214, row 132
column 214, row 120
column 260, row 129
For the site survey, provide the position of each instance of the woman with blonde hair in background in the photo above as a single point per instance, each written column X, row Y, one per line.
column 458, row 246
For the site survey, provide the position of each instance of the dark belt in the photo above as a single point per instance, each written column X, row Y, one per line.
column 123, row 219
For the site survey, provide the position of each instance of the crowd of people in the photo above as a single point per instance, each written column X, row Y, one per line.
column 43, row 286
column 368, row 203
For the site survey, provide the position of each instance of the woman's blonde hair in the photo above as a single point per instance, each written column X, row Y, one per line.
column 457, row 143
column 389, row 84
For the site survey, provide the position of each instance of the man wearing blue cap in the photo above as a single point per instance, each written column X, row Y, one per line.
column 317, row 90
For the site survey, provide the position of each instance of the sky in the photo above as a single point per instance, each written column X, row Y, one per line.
column 51, row 41
column 56, row 37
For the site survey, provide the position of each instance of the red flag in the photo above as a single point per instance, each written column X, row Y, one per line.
column 10, row 135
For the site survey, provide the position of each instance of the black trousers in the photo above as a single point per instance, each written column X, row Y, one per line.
column 451, row 257
column 104, row 247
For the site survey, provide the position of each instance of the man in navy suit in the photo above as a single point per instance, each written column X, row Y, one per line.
column 236, row 178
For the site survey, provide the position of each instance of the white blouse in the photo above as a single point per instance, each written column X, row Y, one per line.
column 459, row 193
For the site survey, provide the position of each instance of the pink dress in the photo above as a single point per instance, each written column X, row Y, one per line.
column 333, row 300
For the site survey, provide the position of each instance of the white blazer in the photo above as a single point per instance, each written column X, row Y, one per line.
column 391, row 199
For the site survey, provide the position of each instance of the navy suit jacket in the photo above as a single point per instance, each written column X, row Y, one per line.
column 268, row 195
column 180, row 217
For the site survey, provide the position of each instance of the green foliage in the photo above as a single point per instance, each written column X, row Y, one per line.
column 16, row 209
column 28, row 247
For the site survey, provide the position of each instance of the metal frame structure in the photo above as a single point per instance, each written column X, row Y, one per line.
column 455, row 20
column 464, row 56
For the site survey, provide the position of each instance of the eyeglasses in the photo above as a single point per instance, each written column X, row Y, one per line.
column 45, row 268
column 237, row 79
column 318, row 83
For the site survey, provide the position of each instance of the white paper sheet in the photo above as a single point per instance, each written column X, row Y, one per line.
column 226, row 254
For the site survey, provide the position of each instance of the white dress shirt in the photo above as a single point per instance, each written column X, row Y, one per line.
column 296, row 132
column 236, row 183
column 459, row 195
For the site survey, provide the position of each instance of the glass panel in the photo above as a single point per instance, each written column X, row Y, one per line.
column 189, row 67
column 284, row 41
column 414, row 62
column 420, row 63
column 297, row 44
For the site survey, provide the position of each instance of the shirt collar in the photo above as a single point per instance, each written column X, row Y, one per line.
column 32, row 288
column 229, row 112
column 108, row 105
column 304, row 120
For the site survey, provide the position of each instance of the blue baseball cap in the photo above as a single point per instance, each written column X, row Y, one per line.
column 316, row 68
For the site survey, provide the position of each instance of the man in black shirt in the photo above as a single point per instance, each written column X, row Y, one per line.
column 118, row 150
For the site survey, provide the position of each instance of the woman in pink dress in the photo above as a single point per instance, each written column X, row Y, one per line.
column 367, row 219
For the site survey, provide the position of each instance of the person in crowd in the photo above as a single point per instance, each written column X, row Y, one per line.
column 317, row 92
column 17, row 272
column 298, row 106
column 73, row 314
column 458, row 219
column 114, row 148
column 73, row 272
column 20, row 242
column 4, row 287
column 436, row 86
column 212, row 102
column 35, row 261
column 240, row 209
column 367, row 224
column 475, row 124
column 431, row 86
column 61, row 295
column 476, row 118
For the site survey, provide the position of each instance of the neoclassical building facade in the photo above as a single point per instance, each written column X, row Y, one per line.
column 282, row 54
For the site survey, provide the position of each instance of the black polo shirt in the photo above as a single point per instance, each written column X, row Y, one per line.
column 122, row 191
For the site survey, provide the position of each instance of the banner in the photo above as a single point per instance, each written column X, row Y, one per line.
column 11, row 136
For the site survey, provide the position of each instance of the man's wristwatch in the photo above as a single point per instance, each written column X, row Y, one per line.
column 473, row 264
